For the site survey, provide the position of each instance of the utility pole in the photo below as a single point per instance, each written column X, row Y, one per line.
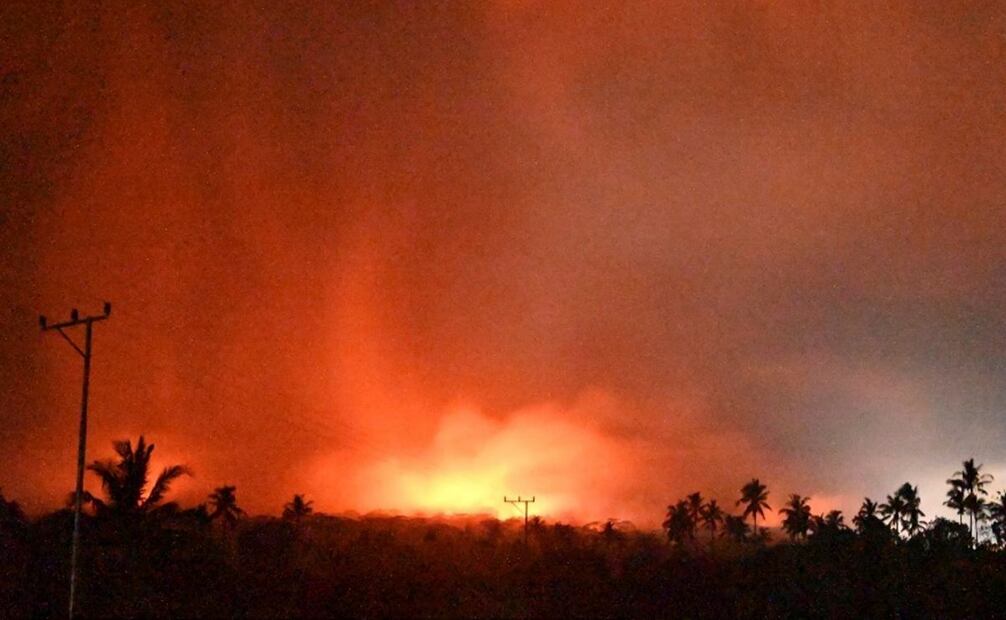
column 521, row 500
column 87, row 322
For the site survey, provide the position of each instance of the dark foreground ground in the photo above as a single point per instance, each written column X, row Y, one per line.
column 183, row 566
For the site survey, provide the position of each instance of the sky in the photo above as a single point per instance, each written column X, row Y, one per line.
column 416, row 258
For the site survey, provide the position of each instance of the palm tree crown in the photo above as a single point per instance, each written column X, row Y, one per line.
column 225, row 505
column 125, row 481
column 997, row 511
column 972, row 478
column 736, row 528
column 712, row 515
column 910, row 513
column 695, row 506
column 867, row 510
column 971, row 482
column 297, row 508
column 892, row 510
column 955, row 499
column 866, row 519
column 754, row 496
column 10, row 512
column 679, row 524
column 797, row 516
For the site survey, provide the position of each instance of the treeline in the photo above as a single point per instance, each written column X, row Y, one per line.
column 143, row 556
column 899, row 516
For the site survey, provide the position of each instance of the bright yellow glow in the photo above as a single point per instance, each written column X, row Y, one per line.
column 457, row 491
column 474, row 460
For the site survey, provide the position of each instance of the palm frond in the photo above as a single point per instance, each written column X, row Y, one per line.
column 111, row 476
column 163, row 482
column 124, row 448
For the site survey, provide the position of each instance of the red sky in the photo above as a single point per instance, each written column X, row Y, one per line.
column 420, row 258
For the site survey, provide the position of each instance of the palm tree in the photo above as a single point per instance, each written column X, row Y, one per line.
column 695, row 506
column 797, row 519
column 754, row 496
column 867, row 518
column 977, row 509
column 971, row 479
column 11, row 513
column 712, row 515
column 955, row 499
column 678, row 523
column 997, row 512
column 892, row 510
column 736, row 528
column 910, row 514
column 835, row 520
column 828, row 527
column 125, row 481
column 866, row 511
column 297, row 509
column 224, row 502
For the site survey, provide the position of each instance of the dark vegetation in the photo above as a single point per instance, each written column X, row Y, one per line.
column 144, row 557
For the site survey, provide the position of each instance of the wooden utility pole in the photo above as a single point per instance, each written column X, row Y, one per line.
column 87, row 322
column 521, row 500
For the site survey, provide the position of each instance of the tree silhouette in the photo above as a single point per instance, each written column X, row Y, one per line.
column 197, row 514
column 797, row 516
column 955, row 499
column 892, row 510
column 11, row 514
column 828, row 527
column 910, row 512
column 997, row 512
column 977, row 509
column 866, row 511
column 754, row 496
column 944, row 535
column 711, row 515
column 972, row 482
column 125, row 481
column 695, row 503
column 297, row 508
column 735, row 528
column 224, row 502
column 679, row 524
column 866, row 520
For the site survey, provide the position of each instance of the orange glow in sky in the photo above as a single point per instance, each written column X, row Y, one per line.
column 419, row 256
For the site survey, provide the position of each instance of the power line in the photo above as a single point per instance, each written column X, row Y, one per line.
column 521, row 500
column 85, row 352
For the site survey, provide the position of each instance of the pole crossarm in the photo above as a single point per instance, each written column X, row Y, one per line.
column 521, row 500
column 75, row 322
